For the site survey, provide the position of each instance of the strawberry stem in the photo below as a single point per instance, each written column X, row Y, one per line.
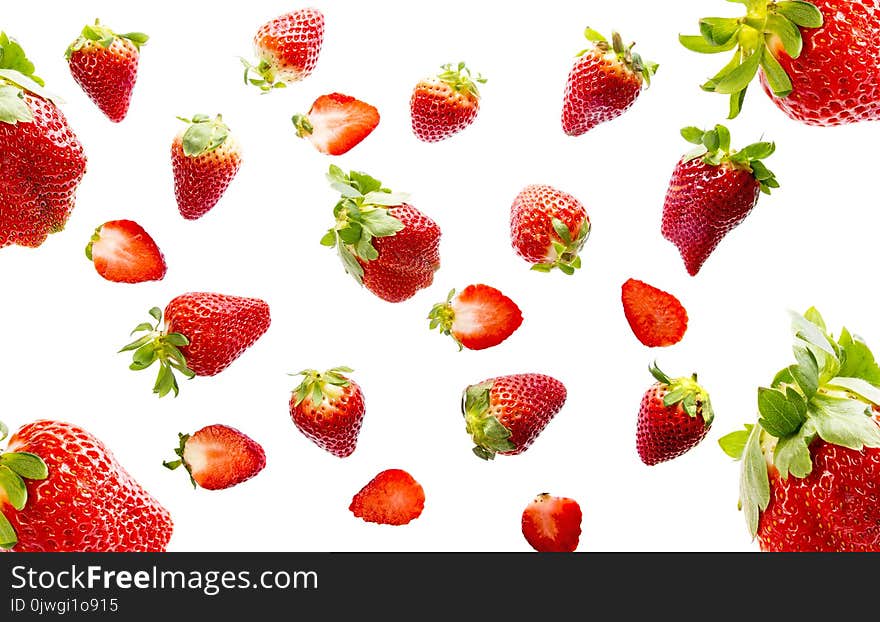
column 633, row 61
column 203, row 134
column 488, row 433
column 442, row 316
column 159, row 345
column 713, row 146
column 15, row 468
column 460, row 79
column 315, row 385
column 174, row 464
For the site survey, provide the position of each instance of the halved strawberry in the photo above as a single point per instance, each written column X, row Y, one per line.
column 218, row 456
column 336, row 123
column 552, row 524
column 124, row 253
column 478, row 318
column 656, row 317
column 393, row 497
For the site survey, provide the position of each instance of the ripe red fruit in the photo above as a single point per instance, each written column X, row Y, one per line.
column 656, row 317
column 205, row 157
column 62, row 490
column 328, row 408
column 711, row 192
column 445, row 104
column 41, row 158
column 105, row 66
column 479, row 317
column 287, row 47
column 393, row 497
column 336, row 123
column 548, row 228
column 674, row 416
column 505, row 415
column 603, row 83
column 552, row 524
column 123, row 252
column 204, row 333
column 218, row 456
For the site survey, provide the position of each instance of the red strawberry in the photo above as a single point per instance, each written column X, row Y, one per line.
column 548, row 228
column 552, row 524
column 328, row 408
column 385, row 244
column 288, row 47
column 656, row 318
column 477, row 318
column 218, row 456
column 818, row 61
column 445, row 104
column 711, row 192
column 41, row 158
column 124, row 253
column 336, row 123
column 603, row 83
column 203, row 334
column 505, row 415
column 674, row 416
column 105, row 66
column 62, row 490
column 393, row 497
column 205, row 158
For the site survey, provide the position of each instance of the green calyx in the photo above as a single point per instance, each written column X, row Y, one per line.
column 633, row 61
column 174, row 464
column 316, row 385
column 261, row 75
column 159, row 345
column 15, row 468
column 361, row 215
column 442, row 316
column 686, row 391
column 566, row 248
column 459, row 77
column 103, row 36
column 828, row 393
column 302, row 125
column 713, row 146
column 754, row 38
column 16, row 77
column 488, row 433
column 204, row 134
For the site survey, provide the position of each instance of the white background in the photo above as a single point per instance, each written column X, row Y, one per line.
column 811, row 243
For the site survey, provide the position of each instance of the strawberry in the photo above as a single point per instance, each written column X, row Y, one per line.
column 328, row 408
column 656, row 317
column 811, row 463
column 203, row 334
column 393, row 497
column 818, row 61
column 288, row 47
column 385, row 244
column 336, row 123
column 479, row 317
column 205, row 157
column 105, row 66
column 712, row 190
column 62, row 490
column 674, row 416
column 123, row 252
column 552, row 524
column 218, row 456
column 505, row 415
column 41, row 158
column 445, row 104
column 603, row 83
column 548, row 228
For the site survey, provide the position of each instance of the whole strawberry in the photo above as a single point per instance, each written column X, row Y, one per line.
column 811, row 463
column 674, row 416
column 328, row 408
column 62, row 490
column 287, row 47
column 41, row 159
column 218, row 457
column 476, row 318
column 552, row 524
column 123, row 252
column 548, row 228
column 203, row 333
column 505, row 415
column 445, row 104
column 105, row 66
column 712, row 190
column 385, row 244
column 205, row 157
column 603, row 83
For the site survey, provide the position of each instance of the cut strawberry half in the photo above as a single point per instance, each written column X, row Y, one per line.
column 218, row 456
column 123, row 252
column 656, row 317
column 477, row 318
column 336, row 123
column 552, row 524
column 393, row 497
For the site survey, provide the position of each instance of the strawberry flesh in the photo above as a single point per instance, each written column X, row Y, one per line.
column 484, row 317
column 218, row 456
column 552, row 524
column 656, row 317
column 123, row 252
column 339, row 122
column 393, row 497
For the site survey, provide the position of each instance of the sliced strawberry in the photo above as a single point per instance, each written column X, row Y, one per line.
column 393, row 497
column 218, row 456
column 336, row 123
column 552, row 524
column 478, row 318
column 124, row 253
column 656, row 317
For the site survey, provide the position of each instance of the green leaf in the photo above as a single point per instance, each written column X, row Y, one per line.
column 329, row 238
column 844, row 422
column 723, row 135
column 792, row 453
column 719, row 30
column 734, row 444
column 14, row 488
column 4, row 431
column 351, row 264
column 380, row 223
column 739, row 78
column 25, row 464
column 754, row 492
column 364, row 183
column 138, row 38
column 803, row 14
column 693, row 135
column 365, row 249
column 782, row 413
column 756, row 151
column 13, row 108
column 8, row 539
column 697, row 43
column 777, row 79
column 476, row 398
column 203, row 137
column 156, row 314
column 594, row 36
column 176, row 339
column 134, row 345
column 813, row 316
column 351, row 233
column 145, row 355
column 736, row 103
column 858, row 360
column 806, row 372
column 860, row 387
column 788, row 34
column 385, row 199
column 561, row 230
